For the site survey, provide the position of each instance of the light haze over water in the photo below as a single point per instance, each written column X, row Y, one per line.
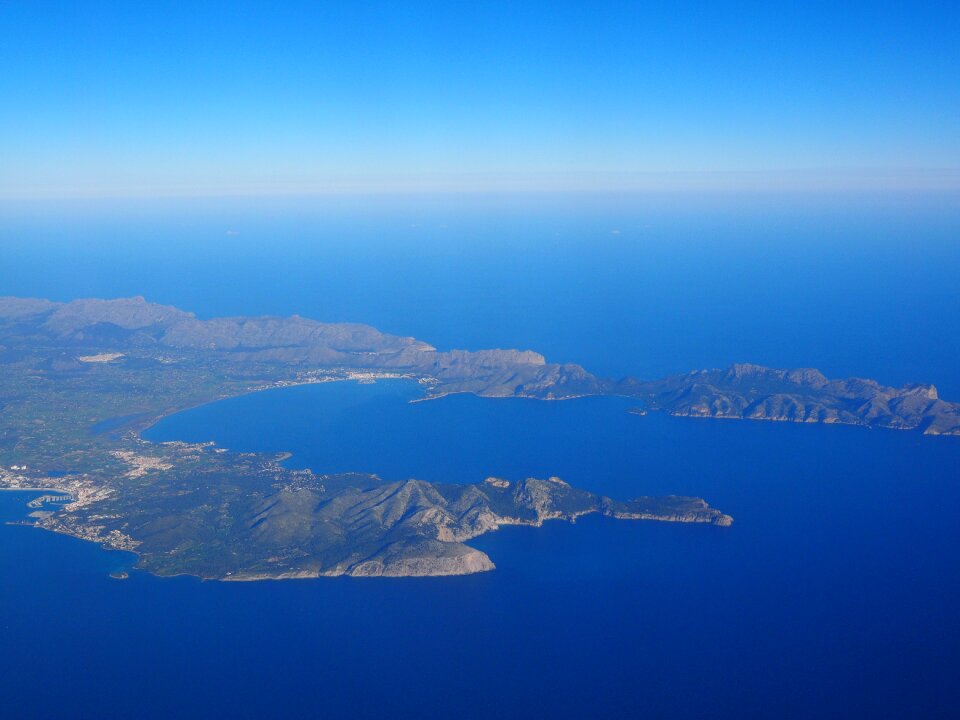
column 831, row 595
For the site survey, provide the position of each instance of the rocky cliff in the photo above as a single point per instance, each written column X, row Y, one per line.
column 755, row 392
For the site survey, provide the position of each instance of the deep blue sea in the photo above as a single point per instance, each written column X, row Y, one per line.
column 834, row 594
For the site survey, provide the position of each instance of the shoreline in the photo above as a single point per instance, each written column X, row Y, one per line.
column 34, row 489
column 280, row 385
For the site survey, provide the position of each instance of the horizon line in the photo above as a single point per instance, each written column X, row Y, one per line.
column 809, row 180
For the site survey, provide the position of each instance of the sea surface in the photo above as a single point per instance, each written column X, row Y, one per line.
column 834, row 593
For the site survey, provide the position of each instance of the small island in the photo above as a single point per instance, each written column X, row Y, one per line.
column 81, row 380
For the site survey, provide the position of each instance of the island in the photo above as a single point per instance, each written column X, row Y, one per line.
column 81, row 380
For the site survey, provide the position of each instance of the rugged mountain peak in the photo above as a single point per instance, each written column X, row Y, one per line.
column 739, row 371
column 928, row 392
column 807, row 376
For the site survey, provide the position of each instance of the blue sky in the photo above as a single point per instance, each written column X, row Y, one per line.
column 243, row 97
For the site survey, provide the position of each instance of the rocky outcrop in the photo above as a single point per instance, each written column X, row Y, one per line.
column 672, row 508
column 426, row 559
column 755, row 392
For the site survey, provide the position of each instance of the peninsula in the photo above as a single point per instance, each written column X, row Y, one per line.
column 80, row 380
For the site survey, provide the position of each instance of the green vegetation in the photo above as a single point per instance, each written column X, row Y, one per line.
column 79, row 381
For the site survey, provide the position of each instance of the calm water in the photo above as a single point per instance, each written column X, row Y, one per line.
column 833, row 595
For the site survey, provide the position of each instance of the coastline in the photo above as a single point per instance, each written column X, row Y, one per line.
column 278, row 385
